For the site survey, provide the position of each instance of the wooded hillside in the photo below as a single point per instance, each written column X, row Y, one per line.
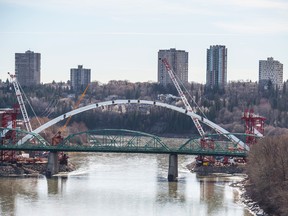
column 223, row 106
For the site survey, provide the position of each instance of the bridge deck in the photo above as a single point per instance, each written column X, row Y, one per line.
column 124, row 141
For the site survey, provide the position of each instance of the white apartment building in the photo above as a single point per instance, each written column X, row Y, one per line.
column 272, row 70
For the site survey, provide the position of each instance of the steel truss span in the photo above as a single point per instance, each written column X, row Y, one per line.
column 121, row 141
column 209, row 123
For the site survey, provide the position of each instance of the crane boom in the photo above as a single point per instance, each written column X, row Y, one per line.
column 57, row 138
column 21, row 102
column 76, row 105
column 183, row 97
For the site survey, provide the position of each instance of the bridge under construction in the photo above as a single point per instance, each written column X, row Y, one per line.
column 205, row 146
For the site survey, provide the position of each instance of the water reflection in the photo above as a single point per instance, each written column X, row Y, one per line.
column 218, row 196
column 56, row 185
column 120, row 185
column 211, row 195
column 169, row 192
column 173, row 187
column 14, row 188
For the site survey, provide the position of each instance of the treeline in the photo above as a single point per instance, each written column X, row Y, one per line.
column 268, row 174
column 223, row 106
column 154, row 120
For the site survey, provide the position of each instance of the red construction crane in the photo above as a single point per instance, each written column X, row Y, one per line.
column 254, row 125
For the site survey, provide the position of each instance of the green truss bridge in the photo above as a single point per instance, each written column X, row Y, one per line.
column 121, row 141
column 118, row 141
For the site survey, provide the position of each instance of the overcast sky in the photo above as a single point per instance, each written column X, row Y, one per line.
column 120, row 39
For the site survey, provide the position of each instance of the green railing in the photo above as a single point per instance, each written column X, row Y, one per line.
column 120, row 141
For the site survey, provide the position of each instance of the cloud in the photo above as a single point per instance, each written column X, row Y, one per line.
column 164, row 5
column 122, row 33
column 268, row 4
column 260, row 27
column 145, row 15
column 120, row 7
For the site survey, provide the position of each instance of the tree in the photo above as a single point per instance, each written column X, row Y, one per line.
column 268, row 173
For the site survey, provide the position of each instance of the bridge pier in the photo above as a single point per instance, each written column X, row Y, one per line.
column 53, row 164
column 173, row 168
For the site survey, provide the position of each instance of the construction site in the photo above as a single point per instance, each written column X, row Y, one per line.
column 21, row 163
column 253, row 129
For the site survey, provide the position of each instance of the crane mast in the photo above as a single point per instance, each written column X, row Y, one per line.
column 189, row 108
column 21, row 102
column 183, row 97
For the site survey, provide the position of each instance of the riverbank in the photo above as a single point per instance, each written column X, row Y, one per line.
column 246, row 199
column 29, row 169
column 253, row 206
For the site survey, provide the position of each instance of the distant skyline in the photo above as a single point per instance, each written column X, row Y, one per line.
column 120, row 40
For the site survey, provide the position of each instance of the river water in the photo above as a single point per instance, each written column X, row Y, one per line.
column 121, row 184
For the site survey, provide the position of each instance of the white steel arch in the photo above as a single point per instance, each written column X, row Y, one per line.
column 156, row 103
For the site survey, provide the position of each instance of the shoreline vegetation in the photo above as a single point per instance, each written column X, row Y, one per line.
column 267, row 169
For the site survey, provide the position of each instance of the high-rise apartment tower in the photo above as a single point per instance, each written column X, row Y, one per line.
column 178, row 60
column 272, row 70
column 27, row 68
column 80, row 77
column 216, row 73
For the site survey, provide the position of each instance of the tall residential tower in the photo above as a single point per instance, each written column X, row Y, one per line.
column 271, row 70
column 27, row 68
column 216, row 73
column 178, row 60
column 80, row 77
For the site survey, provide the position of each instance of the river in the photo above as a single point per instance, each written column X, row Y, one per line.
column 121, row 185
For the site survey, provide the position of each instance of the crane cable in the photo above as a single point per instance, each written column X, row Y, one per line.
column 30, row 106
column 187, row 92
column 50, row 110
column 47, row 110
column 75, row 107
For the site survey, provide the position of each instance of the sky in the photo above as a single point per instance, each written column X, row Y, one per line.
column 120, row 39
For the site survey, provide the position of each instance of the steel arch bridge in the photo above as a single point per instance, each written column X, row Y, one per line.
column 119, row 141
column 209, row 123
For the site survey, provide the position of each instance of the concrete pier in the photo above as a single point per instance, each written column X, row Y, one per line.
column 53, row 164
column 173, row 168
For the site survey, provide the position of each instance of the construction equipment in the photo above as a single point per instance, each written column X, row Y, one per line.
column 218, row 130
column 183, row 97
column 8, row 119
column 204, row 141
column 26, row 119
column 57, row 138
column 75, row 107
column 254, row 126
